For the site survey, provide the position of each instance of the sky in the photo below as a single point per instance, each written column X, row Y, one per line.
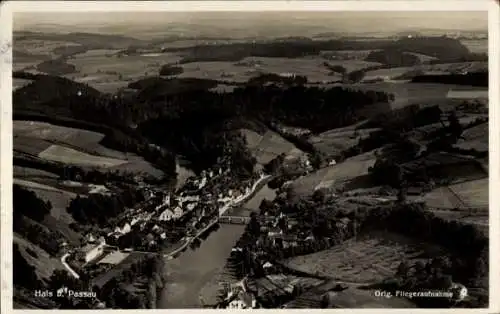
column 251, row 23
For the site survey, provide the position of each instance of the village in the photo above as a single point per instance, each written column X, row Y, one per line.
column 165, row 223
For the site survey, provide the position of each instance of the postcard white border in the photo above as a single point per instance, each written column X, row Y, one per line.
column 8, row 8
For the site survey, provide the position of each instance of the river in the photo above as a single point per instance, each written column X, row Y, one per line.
column 195, row 271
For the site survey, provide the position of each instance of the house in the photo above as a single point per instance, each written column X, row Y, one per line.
column 178, row 212
column 90, row 252
column 126, row 228
column 166, row 215
column 134, row 221
column 90, row 238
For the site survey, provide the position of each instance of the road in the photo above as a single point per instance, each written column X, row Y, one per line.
column 68, row 268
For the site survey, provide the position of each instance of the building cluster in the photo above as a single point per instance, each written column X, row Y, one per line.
column 169, row 216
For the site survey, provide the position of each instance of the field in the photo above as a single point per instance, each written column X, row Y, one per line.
column 475, row 138
column 468, row 94
column 18, row 83
column 473, row 193
column 106, row 72
column 479, row 218
column 469, row 194
column 335, row 141
column 346, row 54
column 67, row 155
column 415, row 93
column 77, row 146
column 41, row 47
column 366, row 259
column 344, row 175
column 268, row 146
column 476, row 45
column 354, row 297
column 59, row 199
column 44, row 264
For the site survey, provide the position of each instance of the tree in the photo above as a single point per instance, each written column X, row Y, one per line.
column 319, row 196
column 403, row 270
column 443, row 282
column 454, row 125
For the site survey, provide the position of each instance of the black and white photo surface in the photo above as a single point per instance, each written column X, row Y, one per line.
column 249, row 160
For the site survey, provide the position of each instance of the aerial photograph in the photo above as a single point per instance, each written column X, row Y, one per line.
column 250, row 160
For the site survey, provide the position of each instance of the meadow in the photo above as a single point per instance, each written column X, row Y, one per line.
column 268, row 146
column 333, row 142
column 345, row 176
column 74, row 146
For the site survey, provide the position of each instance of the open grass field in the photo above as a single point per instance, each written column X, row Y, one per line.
column 83, row 147
column 311, row 67
column 414, row 93
column 67, row 155
column 268, row 146
column 344, row 175
column 354, row 297
column 473, row 193
column 468, row 194
column 442, row 197
column 479, row 218
column 44, row 264
column 366, row 259
column 106, row 72
column 51, row 132
column 32, row 173
column 39, row 46
column 476, row 45
column 333, row 142
column 30, row 146
column 19, row 83
column 347, row 54
column 475, row 138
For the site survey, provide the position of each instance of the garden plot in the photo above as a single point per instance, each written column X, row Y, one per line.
column 365, row 259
